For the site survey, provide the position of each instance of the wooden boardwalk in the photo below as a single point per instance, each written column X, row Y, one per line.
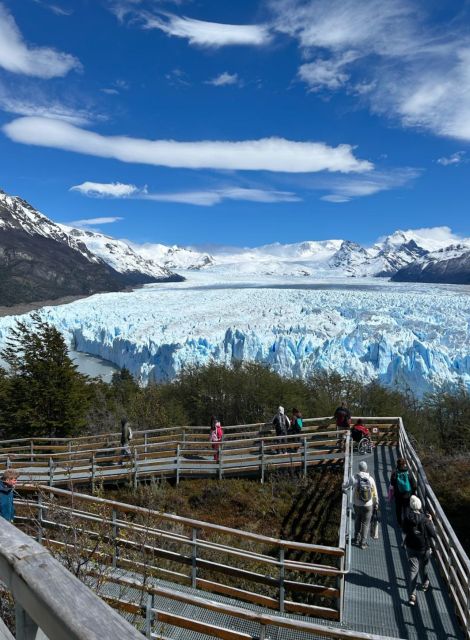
column 364, row 596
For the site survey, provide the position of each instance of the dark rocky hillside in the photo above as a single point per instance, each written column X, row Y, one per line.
column 40, row 261
column 451, row 270
column 34, row 268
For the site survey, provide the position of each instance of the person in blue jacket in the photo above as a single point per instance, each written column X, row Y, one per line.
column 7, row 484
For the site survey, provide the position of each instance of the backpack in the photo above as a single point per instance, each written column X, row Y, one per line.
column 219, row 430
column 403, row 482
column 364, row 488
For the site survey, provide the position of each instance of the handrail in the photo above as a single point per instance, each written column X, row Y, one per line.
column 48, row 597
column 452, row 559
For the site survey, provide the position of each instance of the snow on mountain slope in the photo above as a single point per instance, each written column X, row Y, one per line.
column 174, row 257
column 117, row 253
column 16, row 213
column 399, row 334
column 450, row 264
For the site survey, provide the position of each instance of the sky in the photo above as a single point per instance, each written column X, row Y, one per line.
column 198, row 122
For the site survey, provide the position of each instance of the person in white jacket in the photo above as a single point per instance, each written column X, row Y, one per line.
column 365, row 500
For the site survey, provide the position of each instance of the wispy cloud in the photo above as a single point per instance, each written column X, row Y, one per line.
column 411, row 72
column 59, row 11
column 90, row 222
column 110, row 189
column 25, row 102
column 17, row 56
column 456, row 158
column 206, row 198
column 345, row 189
column 266, row 154
column 224, row 79
column 199, row 32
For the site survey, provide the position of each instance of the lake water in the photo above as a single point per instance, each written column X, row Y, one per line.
column 93, row 366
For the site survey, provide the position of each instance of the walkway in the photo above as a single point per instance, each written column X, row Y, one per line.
column 376, row 593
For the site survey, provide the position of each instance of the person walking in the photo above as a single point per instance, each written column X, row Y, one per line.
column 419, row 531
column 281, row 424
column 216, row 435
column 342, row 416
column 7, row 484
column 403, row 486
column 126, row 437
column 296, row 425
column 365, row 500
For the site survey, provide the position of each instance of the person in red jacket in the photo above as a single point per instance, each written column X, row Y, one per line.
column 216, row 436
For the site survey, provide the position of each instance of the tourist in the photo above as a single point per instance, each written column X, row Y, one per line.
column 126, row 437
column 419, row 531
column 365, row 500
column 402, row 486
column 7, row 484
column 216, row 435
column 281, row 423
column 296, row 425
column 359, row 431
column 342, row 416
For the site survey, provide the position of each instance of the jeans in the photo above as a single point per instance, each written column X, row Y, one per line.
column 418, row 561
column 362, row 518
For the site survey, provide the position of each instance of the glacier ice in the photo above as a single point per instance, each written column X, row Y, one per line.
column 416, row 336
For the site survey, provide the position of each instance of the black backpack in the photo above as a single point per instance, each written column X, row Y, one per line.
column 364, row 488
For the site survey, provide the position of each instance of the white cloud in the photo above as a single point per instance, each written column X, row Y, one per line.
column 345, row 189
column 59, row 11
column 266, row 154
column 328, row 74
column 207, row 34
column 403, row 66
column 224, row 79
column 456, row 158
column 207, row 197
column 16, row 56
column 100, row 189
column 27, row 101
column 89, row 222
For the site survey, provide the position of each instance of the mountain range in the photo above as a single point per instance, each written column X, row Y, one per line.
column 40, row 259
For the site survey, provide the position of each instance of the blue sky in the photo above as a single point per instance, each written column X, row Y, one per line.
column 241, row 123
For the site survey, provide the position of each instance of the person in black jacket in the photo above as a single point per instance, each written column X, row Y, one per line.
column 419, row 530
column 342, row 416
column 404, row 486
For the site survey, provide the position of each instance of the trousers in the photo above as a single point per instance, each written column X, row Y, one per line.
column 362, row 518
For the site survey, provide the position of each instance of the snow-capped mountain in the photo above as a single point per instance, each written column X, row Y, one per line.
column 449, row 265
column 39, row 260
column 120, row 255
column 174, row 257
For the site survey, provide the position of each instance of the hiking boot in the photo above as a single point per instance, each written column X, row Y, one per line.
column 356, row 542
column 426, row 585
column 364, row 545
column 412, row 601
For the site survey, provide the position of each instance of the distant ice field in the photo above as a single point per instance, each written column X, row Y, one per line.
column 411, row 335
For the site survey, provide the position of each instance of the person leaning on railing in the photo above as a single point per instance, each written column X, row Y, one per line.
column 7, row 484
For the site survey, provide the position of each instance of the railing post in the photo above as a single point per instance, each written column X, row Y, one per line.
column 305, row 457
column 262, row 632
column 93, row 473
column 468, row 607
column 194, row 559
column 40, row 513
column 26, row 628
column 221, row 462
column 136, row 468
column 8, row 463
column 149, row 616
column 178, row 449
column 282, row 575
column 51, row 472
column 115, row 534
column 145, row 442
column 31, row 448
column 262, row 461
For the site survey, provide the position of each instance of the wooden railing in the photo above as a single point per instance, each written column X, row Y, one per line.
column 177, row 455
column 50, row 598
column 452, row 560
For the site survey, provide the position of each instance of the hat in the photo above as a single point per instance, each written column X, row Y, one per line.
column 363, row 465
column 415, row 503
column 280, row 409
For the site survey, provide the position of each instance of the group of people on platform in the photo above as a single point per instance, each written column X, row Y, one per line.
column 417, row 526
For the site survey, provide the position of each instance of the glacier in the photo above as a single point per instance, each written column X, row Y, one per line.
column 410, row 335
